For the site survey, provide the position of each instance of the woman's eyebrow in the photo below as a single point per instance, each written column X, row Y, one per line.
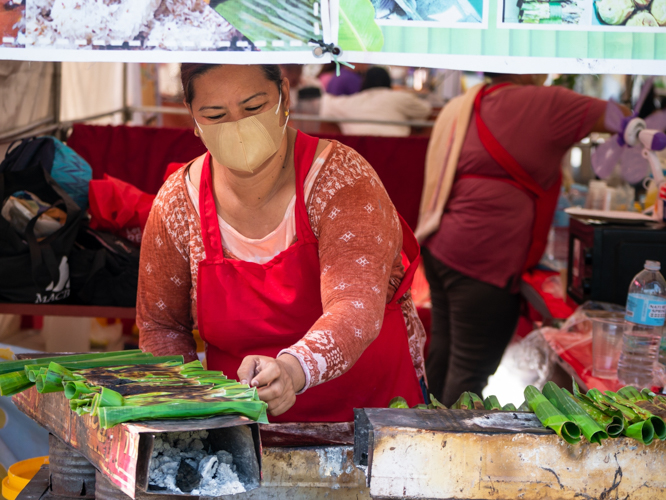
column 252, row 97
column 203, row 108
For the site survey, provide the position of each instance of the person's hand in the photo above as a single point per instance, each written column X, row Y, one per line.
column 278, row 380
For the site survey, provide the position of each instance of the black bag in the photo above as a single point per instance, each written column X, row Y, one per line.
column 104, row 269
column 34, row 271
column 29, row 152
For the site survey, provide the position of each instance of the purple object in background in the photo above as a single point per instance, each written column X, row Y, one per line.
column 347, row 83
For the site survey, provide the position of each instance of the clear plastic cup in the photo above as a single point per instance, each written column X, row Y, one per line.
column 606, row 346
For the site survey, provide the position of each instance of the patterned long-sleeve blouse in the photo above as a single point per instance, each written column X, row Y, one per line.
column 360, row 263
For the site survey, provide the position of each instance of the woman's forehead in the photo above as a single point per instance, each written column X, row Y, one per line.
column 233, row 81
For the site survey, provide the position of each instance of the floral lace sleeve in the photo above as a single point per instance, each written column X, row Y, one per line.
column 360, row 238
column 163, row 303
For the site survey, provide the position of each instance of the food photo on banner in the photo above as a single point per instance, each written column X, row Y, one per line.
column 167, row 25
column 590, row 15
column 428, row 12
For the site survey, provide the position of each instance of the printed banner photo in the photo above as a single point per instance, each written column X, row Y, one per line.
column 163, row 30
column 514, row 36
column 639, row 16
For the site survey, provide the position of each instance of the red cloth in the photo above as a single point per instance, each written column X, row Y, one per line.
column 119, row 207
column 246, row 308
column 536, row 126
column 138, row 155
column 141, row 155
column 557, row 306
column 400, row 163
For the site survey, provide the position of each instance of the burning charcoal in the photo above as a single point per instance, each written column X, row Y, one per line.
column 187, row 478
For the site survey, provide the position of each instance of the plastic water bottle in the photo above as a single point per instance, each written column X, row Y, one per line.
column 644, row 321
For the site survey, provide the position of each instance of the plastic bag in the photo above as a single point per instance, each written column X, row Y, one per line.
column 581, row 320
column 119, row 207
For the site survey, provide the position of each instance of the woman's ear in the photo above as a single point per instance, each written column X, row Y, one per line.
column 286, row 101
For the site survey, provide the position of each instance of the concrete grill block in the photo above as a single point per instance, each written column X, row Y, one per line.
column 122, row 453
column 422, row 454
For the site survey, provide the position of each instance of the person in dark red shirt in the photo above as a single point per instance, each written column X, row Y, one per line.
column 495, row 220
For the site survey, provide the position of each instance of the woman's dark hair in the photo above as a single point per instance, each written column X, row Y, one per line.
column 376, row 77
column 189, row 72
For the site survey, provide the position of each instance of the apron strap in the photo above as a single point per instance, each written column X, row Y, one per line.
column 210, row 228
column 305, row 150
column 412, row 251
column 545, row 201
column 497, row 151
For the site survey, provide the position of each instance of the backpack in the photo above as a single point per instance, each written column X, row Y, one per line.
column 104, row 269
column 33, row 271
column 66, row 167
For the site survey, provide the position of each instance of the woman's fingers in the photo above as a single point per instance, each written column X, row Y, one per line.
column 267, row 371
column 282, row 406
column 247, row 369
column 273, row 380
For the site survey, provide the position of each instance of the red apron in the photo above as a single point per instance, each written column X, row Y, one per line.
column 545, row 201
column 247, row 308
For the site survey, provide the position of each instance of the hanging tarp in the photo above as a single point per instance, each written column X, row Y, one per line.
column 507, row 36
column 515, row 36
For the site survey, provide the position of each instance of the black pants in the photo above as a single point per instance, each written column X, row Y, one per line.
column 472, row 323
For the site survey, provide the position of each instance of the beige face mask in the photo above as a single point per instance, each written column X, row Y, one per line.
column 247, row 143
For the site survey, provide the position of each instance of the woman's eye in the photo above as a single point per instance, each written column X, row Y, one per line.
column 254, row 108
column 216, row 117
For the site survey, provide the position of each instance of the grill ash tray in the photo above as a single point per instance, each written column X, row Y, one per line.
column 209, row 462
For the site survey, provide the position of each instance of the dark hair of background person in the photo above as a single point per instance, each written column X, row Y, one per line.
column 495, row 75
column 189, row 72
column 376, row 77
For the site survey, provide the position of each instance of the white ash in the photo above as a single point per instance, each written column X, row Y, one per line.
column 218, row 472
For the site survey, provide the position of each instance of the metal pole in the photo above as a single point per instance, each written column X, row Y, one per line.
column 56, row 96
column 127, row 113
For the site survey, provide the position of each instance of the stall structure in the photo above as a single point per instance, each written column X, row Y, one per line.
column 384, row 453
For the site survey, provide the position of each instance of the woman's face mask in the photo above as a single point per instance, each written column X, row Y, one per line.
column 245, row 144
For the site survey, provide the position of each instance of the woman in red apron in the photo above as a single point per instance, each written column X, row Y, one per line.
column 262, row 320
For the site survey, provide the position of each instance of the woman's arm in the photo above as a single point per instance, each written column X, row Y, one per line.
column 360, row 239
column 163, row 300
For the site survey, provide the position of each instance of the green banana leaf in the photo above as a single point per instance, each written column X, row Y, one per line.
column 509, row 407
column 613, row 425
column 477, row 402
column 398, row 402
column 110, row 416
column 525, row 407
column 464, row 402
column 15, row 366
column 656, row 421
column 550, row 416
column 613, row 407
column 271, row 20
column 420, row 406
column 14, row 382
column 592, row 431
column 643, row 432
column 492, row 403
column 630, row 393
column 358, row 29
column 435, row 404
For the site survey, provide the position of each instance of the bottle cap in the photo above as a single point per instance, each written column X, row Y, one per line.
column 652, row 265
